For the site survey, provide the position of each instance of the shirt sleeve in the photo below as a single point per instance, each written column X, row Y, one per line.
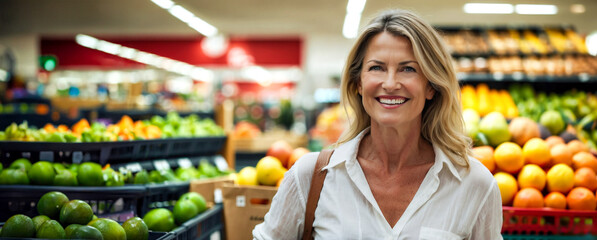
column 285, row 218
column 489, row 224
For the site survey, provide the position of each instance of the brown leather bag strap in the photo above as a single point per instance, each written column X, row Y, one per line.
column 315, row 191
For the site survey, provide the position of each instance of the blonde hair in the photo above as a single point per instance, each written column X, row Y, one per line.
column 442, row 123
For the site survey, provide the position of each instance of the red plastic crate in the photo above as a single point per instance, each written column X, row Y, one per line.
column 547, row 221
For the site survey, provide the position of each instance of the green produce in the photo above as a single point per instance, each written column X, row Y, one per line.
column 86, row 232
column 113, row 178
column 42, row 173
column 70, row 229
column 90, row 174
column 553, row 121
column 197, row 199
column 135, row 229
column 51, row 229
column 21, row 163
column 39, row 220
column 76, row 211
column 206, row 169
column 109, row 228
column 159, row 219
column 142, row 177
column 14, row 177
column 65, row 178
column 495, row 128
column 51, row 203
column 18, row 226
column 184, row 210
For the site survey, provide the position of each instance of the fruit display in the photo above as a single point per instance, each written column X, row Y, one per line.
column 484, row 100
column 61, row 218
column 270, row 169
column 245, row 129
column 330, row 124
column 188, row 206
column 172, row 126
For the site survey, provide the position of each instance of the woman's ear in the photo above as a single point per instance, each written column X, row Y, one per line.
column 430, row 92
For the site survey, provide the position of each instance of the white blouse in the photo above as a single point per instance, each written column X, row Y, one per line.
column 452, row 202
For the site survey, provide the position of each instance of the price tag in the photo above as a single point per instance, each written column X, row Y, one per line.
column 184, row 163
column 45, row 156
column 134, row 167
column 77, row 157
column 161, row 165
column 241, row 201
column 221, row 163
column 215, row 235
column 217, row 195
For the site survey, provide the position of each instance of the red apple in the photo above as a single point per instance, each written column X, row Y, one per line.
column 281, row 150
column 296, row 154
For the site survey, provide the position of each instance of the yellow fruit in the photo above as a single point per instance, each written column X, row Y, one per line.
column 560, row 178
column 247, row 176
column 269, row 171
column 508, row 157
column 536, row 151
column 532, row 176
column 507, row 185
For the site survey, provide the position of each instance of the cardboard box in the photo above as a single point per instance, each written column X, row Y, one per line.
column 244, row 208
column 211, row 188
column 262, row 142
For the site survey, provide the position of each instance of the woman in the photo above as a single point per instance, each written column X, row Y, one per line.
column 402, row 169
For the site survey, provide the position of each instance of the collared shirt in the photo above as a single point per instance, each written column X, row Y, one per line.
column 452, row 202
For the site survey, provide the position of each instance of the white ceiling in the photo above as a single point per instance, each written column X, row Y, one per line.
column 250, row 17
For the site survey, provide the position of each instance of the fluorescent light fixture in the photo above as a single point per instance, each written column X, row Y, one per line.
column 86, row 41
column 203, row 27
column 187, row 17
column 181, row 13
column 354, row 9
column 108, row 47
column 165, row 4
column 488, row 8
column 591, row 42
column 536, row 9
column 127, row 53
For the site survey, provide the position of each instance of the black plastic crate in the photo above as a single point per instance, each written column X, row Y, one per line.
column 162, row 195
column 201, row 226
column 118, row 203
column 152, row 236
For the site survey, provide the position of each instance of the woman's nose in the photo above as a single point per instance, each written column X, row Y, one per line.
column 391, row 82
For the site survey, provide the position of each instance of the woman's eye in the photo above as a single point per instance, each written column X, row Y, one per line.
column 375, row 68
column 409, row 69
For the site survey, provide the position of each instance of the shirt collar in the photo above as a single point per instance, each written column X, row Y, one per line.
column 347, row 152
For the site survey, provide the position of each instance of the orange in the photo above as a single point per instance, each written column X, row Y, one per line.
column 560, row 153
column 295, row 155
column 532, row 176
column 554, row 140
column 585, row 177
column 485, row 155
column 508, row 157
column 560, row 178
column 581, row 198
column 507, row 185
column 584, row 159
column 528, row 198
column 536, row 151
column 555, row 200
column 577, row 146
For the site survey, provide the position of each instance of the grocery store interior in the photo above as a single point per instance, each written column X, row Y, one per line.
column 182, row 116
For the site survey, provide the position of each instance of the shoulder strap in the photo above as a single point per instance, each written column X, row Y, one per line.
column 315, row 191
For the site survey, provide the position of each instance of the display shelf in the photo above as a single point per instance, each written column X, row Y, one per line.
column 522, row 78
column 548, row 221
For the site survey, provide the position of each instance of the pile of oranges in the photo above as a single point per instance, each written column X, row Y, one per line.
column 543, row 173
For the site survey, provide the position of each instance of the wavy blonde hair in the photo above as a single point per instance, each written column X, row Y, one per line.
column 442, row 123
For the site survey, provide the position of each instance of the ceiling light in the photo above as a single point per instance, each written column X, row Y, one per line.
column 591, row 42
column 536, row 9
column 488, row 8
column 187, row 17
column 354, row 9
column 165, row 4
column 577, row 8
column 86, row 41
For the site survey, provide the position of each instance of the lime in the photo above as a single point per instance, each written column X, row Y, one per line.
column 86, row 232
column 90, row 174
column 58, row 166
column 21, row 163
column 42, row 173
column 159, row 219
column 51, row 229
column 76, row 211
column 109, row 228
column 14, row 176
column 39, row 220
column 50, row 204
column 197, row 199
column 65, row 178
column 141, row 177
column 112, row 178
column 184, row 210
column 553, row 121
column 70, row 229
column 135, row 229
column 18, row 226
column 74, row 168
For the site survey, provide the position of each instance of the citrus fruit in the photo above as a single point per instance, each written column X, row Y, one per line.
column 584, row 159
column 109, row 228
column 297, row 153
column 39, row 220
column 247, row 176
column 76, row 211
column 141, row 177
column 577, row 146
column 528, row 198
column 21, row 163
column 90, row 174
column 536, row 151
column 554, row 140
column 51, row 229
column 560, row 153
column 14, row 177
column 135, row 229
column 281, row 150
column 485, row 155
column 65, row 178
column 532, row 176
column 495, row 127
column 581, row 198
column 18, row 226
column 279, row 182
column 508, row 157
column 560, row 178
column 197, row 199
column 553, row 121
column 86, row 232
column 585, row 177
column 51, row 203
column 159, row 219
column 41, row 173
column 555, row 200
column 507, row 185
column 68, row 231
column 269, row 171
column 184, row 210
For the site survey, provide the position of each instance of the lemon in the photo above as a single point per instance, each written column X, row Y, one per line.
column 536, row 151
column 50, row 204
column 507, row 185
column 560, row 178
column 532, row 176
column 269, row 171
column 135, row 229
column 247, row 176
column 18, row 226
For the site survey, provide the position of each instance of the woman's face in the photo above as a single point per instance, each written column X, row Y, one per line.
column 392, row 86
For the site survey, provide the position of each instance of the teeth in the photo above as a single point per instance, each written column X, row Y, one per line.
column 392, row 101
